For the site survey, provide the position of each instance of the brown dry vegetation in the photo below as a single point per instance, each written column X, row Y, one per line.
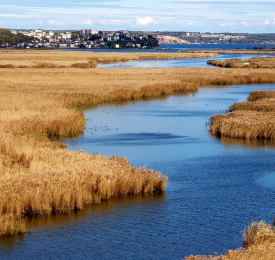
column 255, row 63
column 254, row 119
column 37, row 103
column 246, row 51
column 75, row 59
column 259, row 241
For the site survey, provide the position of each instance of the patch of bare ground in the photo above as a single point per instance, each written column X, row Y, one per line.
column 38, row 104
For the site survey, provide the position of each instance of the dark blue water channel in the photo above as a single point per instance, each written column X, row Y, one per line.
column 178, row 63
column 217, row 187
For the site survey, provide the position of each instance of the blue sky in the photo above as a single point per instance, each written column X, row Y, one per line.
column 251, row 16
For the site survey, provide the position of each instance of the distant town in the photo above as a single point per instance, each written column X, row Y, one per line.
column 85, row 38
column 90, row 38
column 166, row 37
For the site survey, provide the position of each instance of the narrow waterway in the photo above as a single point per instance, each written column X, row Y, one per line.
column 179, row 63
column 216, row 189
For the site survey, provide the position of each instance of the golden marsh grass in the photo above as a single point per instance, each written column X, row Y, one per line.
column 246, row 51
column 259, row 241
column 254, row 119
column 255, row 63
column 42, row 102
column 64, row 59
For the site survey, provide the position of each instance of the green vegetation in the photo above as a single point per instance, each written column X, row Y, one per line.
column 7, row 37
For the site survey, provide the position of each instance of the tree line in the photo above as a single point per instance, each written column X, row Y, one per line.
column 7, row 37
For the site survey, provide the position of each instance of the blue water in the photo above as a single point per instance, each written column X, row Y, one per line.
column 193, row 47
column 170, row 50
column 217, row 187
column 176, row 47
column 179, row 63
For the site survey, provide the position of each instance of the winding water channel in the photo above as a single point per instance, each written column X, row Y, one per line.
column 178, row 63
column 217, row 187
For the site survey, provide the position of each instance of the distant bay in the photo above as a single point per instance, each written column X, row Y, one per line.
column 191, row 47
column 181, row 47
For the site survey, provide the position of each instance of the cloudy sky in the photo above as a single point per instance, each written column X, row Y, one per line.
column 253, row 16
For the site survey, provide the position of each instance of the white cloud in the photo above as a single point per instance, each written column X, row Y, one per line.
column 190, row 24
column 245, row 23
column 114, row 22
column 88, row 22
column 144, row 21
column 118, row 22
column 15, row 15
column 126, row 14
column 227, row 24
column 103, row 22
column 40, row 23
column 56, row 23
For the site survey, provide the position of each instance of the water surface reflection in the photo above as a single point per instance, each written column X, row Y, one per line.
column 217, row 186
column 178, row 63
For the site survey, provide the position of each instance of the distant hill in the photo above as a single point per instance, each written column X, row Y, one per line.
column 7, row 37
column 162, row 39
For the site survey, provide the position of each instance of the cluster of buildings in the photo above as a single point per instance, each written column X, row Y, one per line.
column 213, row 38
column 221, row 36
column 85, row 38
column 43, row 38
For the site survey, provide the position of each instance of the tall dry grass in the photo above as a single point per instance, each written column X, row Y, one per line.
column 259, row 241
column 64, row 59
column 258, row 233
column 246, row 51
column 255, row 63
column 38, row 176
column 254, row 119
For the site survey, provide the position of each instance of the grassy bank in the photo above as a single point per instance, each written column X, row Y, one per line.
column 259, row 242
column 254, row 119
column 246, row 51
column 80, row 59
column 254, row 63
column 38, row 103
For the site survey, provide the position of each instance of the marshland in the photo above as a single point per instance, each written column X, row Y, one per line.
column 41, row 105
column 255, row 63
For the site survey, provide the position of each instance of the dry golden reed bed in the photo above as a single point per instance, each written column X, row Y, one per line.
column 259, row 242
column 255, row 63
column 254, row 119
column 80, row 59
column 246, row 51
column 41, row 102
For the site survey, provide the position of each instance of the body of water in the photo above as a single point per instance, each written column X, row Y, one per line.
column 194, row 47
column 178, row 47
column 217, row 187
column 179, row 63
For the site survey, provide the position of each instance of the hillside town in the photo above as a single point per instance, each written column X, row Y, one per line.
column 85, row 38
column 179, row 37
column 122, row 39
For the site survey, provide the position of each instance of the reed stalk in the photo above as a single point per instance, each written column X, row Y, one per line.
column 255, row 63
column 254, row 119
column 43, row 103
column 259, row 241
